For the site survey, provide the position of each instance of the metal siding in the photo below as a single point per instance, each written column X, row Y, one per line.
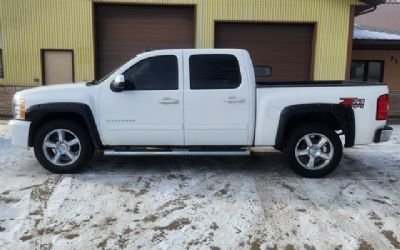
column 28, row 26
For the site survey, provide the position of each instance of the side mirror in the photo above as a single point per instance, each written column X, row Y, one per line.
column 118, row 84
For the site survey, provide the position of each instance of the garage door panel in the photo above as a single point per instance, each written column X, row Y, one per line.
column 281, row 32
column 123, row 31
column 292, row 75
column 299, row 53
column 287, row 48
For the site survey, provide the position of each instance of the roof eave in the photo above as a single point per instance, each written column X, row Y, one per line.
column 368, row 6
column 376, row 44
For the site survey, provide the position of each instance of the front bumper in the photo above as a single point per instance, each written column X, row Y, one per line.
column 383, row 134
column 19, row 132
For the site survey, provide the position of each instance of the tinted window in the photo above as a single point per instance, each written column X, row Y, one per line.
column 369, row 71
column 357, row 71
column 262, row 73
column 374, row 72
column 214, row 72
column 155, row 73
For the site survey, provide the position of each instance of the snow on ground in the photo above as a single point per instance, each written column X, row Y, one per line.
column 201, row 202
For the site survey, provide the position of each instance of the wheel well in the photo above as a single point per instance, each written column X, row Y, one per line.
column 298, row 120
column 39, row 121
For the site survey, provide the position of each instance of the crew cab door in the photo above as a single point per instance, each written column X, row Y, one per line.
column 217, row 105
column 150, row 110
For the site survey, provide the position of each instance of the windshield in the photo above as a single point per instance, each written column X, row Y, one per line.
column 107, row 76
column 95, row 82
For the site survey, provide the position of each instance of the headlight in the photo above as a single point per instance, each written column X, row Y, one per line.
column 19, row 109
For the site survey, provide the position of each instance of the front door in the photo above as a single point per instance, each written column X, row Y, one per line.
column 217, row 105
column 150, row 111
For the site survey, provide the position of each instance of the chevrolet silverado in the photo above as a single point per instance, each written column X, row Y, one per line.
column 198, row 102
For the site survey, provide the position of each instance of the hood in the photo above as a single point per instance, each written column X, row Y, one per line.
column 71, row 93
column 66, row 89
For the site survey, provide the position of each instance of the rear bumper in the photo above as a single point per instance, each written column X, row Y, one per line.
column 19, row 132
column 383, row 134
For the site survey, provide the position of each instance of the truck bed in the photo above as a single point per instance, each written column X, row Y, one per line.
column 275, row 84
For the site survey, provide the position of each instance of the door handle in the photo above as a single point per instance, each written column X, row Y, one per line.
column 168, row 100
column 234, row 99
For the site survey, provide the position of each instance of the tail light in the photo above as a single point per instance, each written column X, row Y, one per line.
column 382, row 110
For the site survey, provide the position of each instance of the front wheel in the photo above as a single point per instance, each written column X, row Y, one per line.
column 314, row 150
column 62, row 146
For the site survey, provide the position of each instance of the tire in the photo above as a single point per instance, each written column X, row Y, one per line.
column 300, row 151
column 63, row 146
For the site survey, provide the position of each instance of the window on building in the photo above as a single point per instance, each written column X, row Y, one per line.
column 155, row 73
column 367, row 71
column 214, row 72
column 1, row 64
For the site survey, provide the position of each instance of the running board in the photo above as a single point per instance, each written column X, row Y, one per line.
column 177, row 152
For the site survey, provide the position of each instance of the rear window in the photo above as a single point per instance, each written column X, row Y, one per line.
column 214, row 72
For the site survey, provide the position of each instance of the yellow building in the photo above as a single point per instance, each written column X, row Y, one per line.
column 54, row 41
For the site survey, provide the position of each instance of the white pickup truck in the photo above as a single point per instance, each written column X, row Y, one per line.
column 198, row 102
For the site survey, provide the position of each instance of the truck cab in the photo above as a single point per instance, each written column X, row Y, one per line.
column 180, row 98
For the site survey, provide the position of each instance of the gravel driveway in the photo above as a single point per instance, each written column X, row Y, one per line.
column 201, row 202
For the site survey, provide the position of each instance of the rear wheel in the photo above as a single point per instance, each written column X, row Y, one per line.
column 62, row 146
column 314, row 150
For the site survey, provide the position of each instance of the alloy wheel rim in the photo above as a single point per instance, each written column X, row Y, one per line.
column 61, row 147
column 314, row 151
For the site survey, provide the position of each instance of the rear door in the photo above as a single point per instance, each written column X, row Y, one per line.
column 216, row 97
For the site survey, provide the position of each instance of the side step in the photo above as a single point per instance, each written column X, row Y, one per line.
column 111, row 152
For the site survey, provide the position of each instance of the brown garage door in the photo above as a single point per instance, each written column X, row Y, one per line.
column 122, row 31
column 287, row 48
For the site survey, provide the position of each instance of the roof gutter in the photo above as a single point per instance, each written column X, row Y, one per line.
column 370, row 6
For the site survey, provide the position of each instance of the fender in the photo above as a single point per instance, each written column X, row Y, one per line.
column 37, row 113
column 344, row 116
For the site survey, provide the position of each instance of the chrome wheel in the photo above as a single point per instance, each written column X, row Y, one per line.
column 61, row 147
column 314, row 151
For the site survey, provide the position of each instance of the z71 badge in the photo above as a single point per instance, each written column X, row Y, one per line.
column 353, row 102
